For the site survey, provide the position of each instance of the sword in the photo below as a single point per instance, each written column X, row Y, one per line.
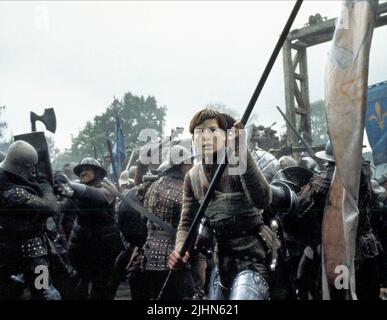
column 141, row 210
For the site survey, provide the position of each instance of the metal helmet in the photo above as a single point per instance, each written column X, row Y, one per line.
column 294, row 176
column 124, row 178
column 377, row 188
column 177, row 155
column 131, row 172
column 20, row 159
column 287, row 161
column 92, row 163
column 267, row 163
column 308, row 163
column 327, row 154
column 382, row 179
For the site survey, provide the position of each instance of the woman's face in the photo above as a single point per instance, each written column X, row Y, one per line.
column 209, row 138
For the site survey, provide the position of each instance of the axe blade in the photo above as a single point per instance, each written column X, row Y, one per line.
column 48, row 118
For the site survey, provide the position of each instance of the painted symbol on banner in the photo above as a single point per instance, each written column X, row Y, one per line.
column 378, row 116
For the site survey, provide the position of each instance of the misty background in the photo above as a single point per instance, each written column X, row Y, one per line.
column 78, row 56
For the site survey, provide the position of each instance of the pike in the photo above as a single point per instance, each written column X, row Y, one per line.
column 222, row 166
column 303, row 141
column 109, row 145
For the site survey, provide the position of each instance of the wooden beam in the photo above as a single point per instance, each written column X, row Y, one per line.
column 295, row 62
column 289, row 89
column 323, row 31
column 298, row 95
column 299, row 45
column 299, row 77
column 300, row 111
column 307, row 128
column 304, row 33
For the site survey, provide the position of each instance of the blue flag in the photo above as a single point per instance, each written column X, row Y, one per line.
column 375, row 121
column 118, row 151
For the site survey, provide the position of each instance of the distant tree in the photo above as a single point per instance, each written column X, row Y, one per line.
column 3, row 124
column 136, row 113
column 4, row 143
column 318, row 122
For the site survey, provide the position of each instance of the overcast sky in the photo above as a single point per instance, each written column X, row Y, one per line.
column 77, row 56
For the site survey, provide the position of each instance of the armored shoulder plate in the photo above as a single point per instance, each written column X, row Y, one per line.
column 267, row 163
column 15, row 197
column 295, row 177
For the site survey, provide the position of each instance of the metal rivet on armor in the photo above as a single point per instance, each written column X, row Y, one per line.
column 254, row 259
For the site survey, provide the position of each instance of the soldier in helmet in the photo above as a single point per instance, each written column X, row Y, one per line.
column 26, row 201
column 164, row 199
column 94, row 241
column 126, row 179
column 305, row 225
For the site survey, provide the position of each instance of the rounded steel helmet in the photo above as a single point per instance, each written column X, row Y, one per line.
column 287, row 161
column 124, row 178
column 267, row 163
column 308, row 163
column 327, row 154
column 382, row 179
column 20, row 159
column 131, row 172
column 92, row 163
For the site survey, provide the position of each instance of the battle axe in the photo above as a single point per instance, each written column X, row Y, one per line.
column 48, row 118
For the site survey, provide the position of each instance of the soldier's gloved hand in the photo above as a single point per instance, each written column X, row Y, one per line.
column 60, row 178
column 63, row 189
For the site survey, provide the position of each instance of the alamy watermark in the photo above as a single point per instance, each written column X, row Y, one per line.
column 42, row 280
column 204, row 145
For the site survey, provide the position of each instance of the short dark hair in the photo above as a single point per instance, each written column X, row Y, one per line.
column 230, row 121
column 204, row 115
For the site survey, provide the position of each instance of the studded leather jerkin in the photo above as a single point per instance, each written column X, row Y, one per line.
column 164, row 199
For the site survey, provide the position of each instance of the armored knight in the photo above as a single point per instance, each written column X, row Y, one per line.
column 26, row 202
column 95, row 240
column 234, row 213
column 305, row 225
column 164, row 200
